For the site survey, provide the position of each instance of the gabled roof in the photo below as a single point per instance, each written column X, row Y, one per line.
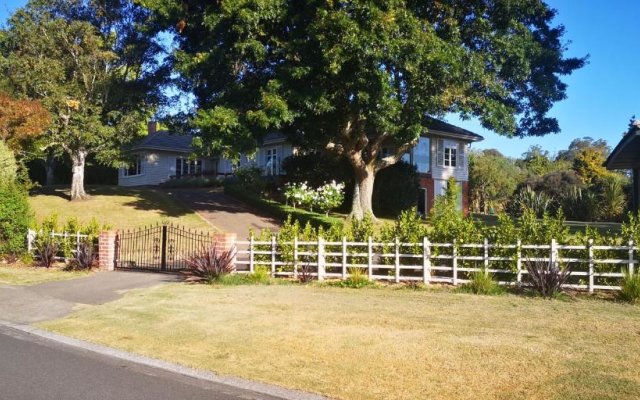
column 439, row 127
column 626, row 155
column 166, row 141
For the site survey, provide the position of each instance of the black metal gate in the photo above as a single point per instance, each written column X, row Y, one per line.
column 160, row 247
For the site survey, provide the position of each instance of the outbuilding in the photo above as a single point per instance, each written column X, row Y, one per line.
column 626, row 155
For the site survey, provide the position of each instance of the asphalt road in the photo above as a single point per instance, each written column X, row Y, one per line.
column 35, row 368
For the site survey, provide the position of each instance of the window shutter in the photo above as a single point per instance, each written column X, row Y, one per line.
column 440, row 153
column 461, row 154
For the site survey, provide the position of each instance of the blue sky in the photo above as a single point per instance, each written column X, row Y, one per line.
column 602, row 96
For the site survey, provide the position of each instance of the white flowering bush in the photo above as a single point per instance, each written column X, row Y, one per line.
column 299, row 194
column 329, row 196
column 325, row 198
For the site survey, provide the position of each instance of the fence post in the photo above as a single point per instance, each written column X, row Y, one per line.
column 591, row 264
column 486, row 255
column 163, row 251
column 251, row 266
column 344, row 257
column 454, row 267
column 426, row 260
column 631, row 257
column 273, row 256
column 31, row 236
column 554, row 253
column 321, row 259
column 295, row 257
column 370, row 258
column 397, row 260
column 519, row 261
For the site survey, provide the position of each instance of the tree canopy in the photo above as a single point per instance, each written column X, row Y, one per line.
column 351, row 75
column 93, row 64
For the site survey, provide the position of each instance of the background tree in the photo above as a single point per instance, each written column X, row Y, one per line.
column 21, row 121
column 351, row 75
column 95, row 67
column 579, row 144
column 492, row 179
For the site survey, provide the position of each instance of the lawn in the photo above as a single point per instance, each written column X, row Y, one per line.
column 119, row 207
column 380, row 343
column 22, row 275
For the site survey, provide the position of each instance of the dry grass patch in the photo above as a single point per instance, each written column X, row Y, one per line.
column 119, row 207
column 380, row 343
column 19, row 275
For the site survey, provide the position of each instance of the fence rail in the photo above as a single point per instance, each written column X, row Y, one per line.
column 73, row 241
column 594, row 267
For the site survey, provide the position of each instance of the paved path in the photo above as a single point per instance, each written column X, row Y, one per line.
column 30, row 304
column 224, row 212
column 35, row 368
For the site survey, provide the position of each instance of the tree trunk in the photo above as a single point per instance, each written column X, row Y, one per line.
column 77, row 181
column 363, row 192
column 50, row 167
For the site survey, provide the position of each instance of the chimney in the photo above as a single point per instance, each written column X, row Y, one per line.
column 152, row 127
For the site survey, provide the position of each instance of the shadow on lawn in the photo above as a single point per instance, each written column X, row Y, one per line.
column 145, row 198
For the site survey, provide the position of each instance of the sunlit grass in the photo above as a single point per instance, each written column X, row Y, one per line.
column 118, row 207
column 22, row 275
column 380, row 343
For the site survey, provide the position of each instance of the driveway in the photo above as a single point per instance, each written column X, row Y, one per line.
column 224, row 212
column 30, row 304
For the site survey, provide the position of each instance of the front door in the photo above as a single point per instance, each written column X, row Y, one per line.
column 422, row 201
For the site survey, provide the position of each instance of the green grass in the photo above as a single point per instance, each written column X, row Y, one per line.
column 118, row 207
column 25, row 276
column 380, row 343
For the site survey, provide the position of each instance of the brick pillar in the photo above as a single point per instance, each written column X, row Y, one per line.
column 226, row 241
column 107, row 250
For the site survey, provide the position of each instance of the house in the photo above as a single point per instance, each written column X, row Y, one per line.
column 626, row 155
column 441, row 153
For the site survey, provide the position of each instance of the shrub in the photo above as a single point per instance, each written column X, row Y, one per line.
column 547, row 277
column 482, row 282
column 15, row 218
column 395, row 189
column 250, row 178
column 317, row 168
column 357, row 278
column 260, row 274
column 8, row 165
column 46, row 251
column 613, row 200
column 84, row 257
column 630, row 290
column 580, row 205
column 209, row 265
column 329, row 196
column 528, row 199
column 299, row 194
column 305, row 273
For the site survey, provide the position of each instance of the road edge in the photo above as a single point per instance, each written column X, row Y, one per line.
column 239, row 383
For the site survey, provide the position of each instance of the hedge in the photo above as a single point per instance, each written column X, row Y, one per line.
column 279, row 210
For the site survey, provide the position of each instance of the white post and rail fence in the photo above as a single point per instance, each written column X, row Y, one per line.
column 593, row 267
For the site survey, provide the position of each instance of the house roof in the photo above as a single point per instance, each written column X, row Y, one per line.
column 165, row 140
column 436, row 126
column 626, row 155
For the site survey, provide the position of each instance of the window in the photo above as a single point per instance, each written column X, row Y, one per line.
column 185, row 166
column 134, row 168
column 271, row 166
column 421, row 155
column 450, row 156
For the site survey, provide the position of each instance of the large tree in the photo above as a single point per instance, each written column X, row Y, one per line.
column 95, row 66
column 351, row 75
column 492, row 179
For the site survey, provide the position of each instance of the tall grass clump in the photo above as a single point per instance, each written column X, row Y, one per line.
column 630, row 290
column 482, row 282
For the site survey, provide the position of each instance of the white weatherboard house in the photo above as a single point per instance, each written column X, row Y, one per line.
column 441, row 153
